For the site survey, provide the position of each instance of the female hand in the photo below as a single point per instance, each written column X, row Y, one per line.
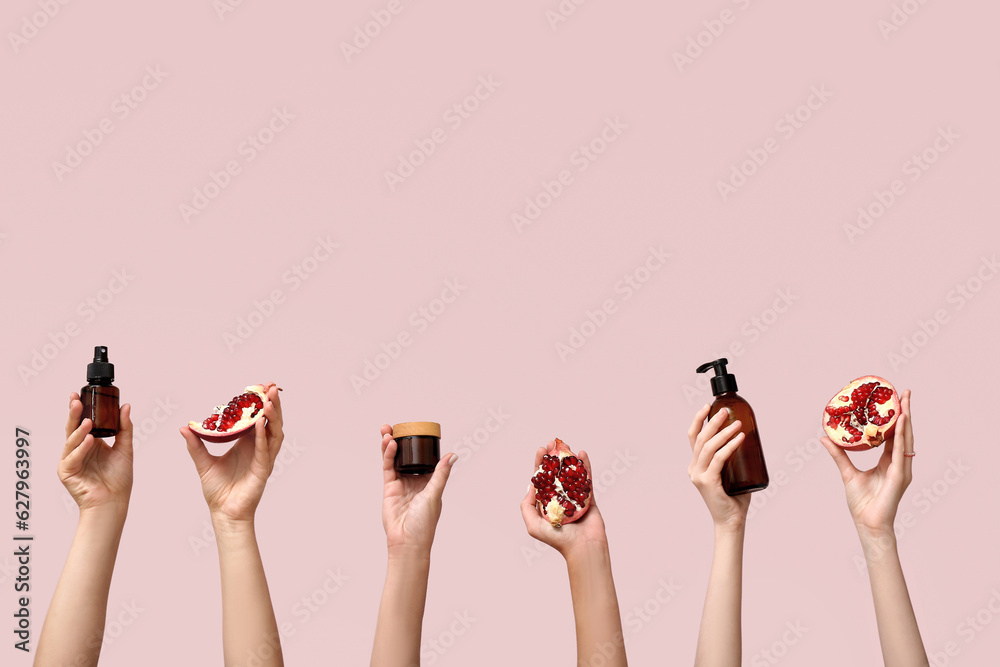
column 710, row 449
column 233, row 483
column 95, row 473
column 873, row 495
column 411, row 504
column 571, row 537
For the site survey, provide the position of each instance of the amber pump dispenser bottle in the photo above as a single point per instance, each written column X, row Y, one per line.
column 100, row 397
column 745, row 471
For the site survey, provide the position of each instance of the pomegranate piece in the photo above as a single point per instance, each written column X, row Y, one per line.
column 862, row 414
column 562, row 485
column 228, row 422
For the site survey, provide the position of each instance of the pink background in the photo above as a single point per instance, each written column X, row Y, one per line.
column 854, row 301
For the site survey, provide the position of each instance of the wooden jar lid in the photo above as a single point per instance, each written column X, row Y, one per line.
column 416, row 428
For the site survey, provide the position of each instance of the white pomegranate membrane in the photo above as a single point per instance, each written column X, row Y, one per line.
column 562, row 485
column 862, row 413
column 238, row 416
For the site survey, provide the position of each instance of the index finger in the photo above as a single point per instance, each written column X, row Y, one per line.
column 275, row 399
column 699, row 419
column 75, row 412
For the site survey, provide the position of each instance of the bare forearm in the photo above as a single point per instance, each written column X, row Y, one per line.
column 897, row 624
column 720, row 635
column 249, row 630
column 595, row 607
column 401, row 611
column 74, row 625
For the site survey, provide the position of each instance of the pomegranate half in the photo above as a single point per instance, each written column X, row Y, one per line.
column 228, row 422
column 862, row 414
column 562, row 485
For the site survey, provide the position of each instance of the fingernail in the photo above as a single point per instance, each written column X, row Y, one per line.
column 707, row 405
column 452, row 459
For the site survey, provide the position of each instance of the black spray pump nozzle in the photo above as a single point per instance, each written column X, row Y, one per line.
column 101, row 370
column 723, row 381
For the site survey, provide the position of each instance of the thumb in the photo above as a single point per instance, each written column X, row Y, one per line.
column 441, row 474
column 840, row 457
column 199, row 453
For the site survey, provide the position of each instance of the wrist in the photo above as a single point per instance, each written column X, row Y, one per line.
column 409, row 553
column 730, row 528
column 227, row 525
column 587, row 554
column 112, row 512
column 876, row 540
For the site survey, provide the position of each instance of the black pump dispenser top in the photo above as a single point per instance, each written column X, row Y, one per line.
column 723, row 381
column 101, row 371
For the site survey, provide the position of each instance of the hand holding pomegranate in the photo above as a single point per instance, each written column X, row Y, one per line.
column 710, row 449
column 873, row 495
column 565, row 524
column 95, row 473
column 233, row 483
column 411, row 504
column 559, row 510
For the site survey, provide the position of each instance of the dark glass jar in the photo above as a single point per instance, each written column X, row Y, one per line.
column 418, row 447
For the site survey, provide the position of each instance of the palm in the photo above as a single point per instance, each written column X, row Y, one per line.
column 588, row 530
column 873, row 495
column 408, row 511
column 102, row 476
column 234, row 482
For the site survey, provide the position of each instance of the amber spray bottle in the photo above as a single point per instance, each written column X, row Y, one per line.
column 100, row 397
column 745, row 471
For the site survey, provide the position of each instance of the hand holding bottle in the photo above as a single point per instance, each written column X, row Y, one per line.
column 95, row 473
column 411, row 504
column 711, row 447
column 873, row 495
column 234, row 482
